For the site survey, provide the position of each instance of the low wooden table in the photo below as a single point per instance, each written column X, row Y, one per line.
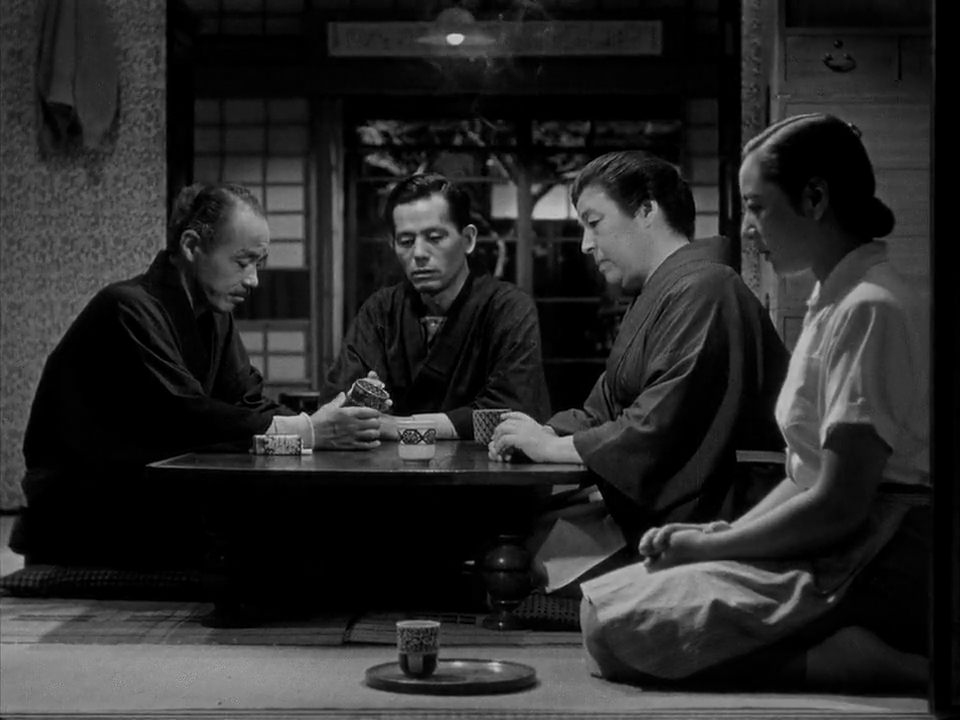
column 505, row 570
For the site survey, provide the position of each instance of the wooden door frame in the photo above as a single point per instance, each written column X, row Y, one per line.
column 945, row 564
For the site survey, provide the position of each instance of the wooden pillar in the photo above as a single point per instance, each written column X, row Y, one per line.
column 524, row 227
column 328, row 235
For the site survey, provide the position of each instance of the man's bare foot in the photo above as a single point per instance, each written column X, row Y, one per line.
column 855, row 660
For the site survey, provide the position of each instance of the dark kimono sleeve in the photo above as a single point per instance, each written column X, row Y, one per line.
column 597, row 408
column 172, row 401
column 361, row 351
column 515, row 379
column 240, row 383
column 684, row 416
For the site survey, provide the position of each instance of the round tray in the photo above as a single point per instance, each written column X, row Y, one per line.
column 456, row 677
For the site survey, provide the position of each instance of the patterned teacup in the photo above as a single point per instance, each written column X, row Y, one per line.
column 485, row 422
column 418, row 645
column 417, row 439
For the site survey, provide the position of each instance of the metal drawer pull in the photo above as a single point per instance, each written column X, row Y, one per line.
column 844, row 66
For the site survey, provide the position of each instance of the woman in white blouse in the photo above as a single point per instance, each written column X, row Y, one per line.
column 824, row 583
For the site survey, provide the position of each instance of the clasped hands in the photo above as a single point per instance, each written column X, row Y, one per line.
column 677, row 543
column 348, row 428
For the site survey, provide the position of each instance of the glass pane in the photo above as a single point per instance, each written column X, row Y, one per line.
column 297, row 110
column 243, row 169
column 243, row 5
column 286, row 341
column 204, row 6
column 706, row 198
column 285, row 227
column 394, row 163
column 286, row 367
column 284, row 26
column 708, row 225
column 285, row 169
column 244, row 112
column 285, row 255
column 561, row 270
column 210, row 24
column 559, row 229
column 206, row 140
column 656, row 136
column 284, row 197
column 288, row 139
column 470, row 132
column 458, row 164
column 256, row 191
column 244, row 140
column 284, row 6
column 257, row 362
column 552, row 202
column 704, row 171
column 703, row 111
column 252, row 340
column 500, row 166
column 206, row 168
column 557, row 166
column 206, row 112
column 503, row 201
column 703, row 141
column 561, row 133
column 241, row 26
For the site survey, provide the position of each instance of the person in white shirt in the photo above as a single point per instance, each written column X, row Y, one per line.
column 822, row 585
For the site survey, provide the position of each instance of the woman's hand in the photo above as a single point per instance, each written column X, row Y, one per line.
column 677, row 543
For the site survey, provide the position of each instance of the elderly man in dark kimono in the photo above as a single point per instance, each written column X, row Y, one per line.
column 153, row 367
column 445, row 341
column 691, row 381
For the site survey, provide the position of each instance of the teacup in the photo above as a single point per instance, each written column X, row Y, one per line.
column 417, row 439
column 485, row 421
column 418, row 646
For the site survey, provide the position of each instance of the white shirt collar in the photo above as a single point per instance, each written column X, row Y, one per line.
column 847, row 273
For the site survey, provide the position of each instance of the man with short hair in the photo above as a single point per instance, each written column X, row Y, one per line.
column 151, row 368
column 445, row 341
column 692, row 378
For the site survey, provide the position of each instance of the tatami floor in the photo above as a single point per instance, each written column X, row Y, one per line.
column 226, row 681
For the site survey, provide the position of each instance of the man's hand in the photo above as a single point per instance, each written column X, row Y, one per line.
column 677, row 543
column 521, row 432
column 388, row 427
column 345, row 428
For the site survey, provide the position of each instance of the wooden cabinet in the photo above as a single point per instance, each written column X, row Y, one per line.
column 877, row 76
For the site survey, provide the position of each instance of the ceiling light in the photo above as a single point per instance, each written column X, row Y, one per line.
column 455, row 27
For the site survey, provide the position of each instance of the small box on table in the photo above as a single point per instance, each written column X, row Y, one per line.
column 277, row 445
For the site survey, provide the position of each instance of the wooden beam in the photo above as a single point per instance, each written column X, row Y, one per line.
column 357, row 77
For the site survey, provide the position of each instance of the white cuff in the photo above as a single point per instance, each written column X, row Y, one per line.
column 293, row 425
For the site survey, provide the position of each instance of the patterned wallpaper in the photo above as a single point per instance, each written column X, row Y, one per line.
column 753, row 101
column 70, row 225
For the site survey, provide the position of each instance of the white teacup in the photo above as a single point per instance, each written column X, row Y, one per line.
column 418, row 439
